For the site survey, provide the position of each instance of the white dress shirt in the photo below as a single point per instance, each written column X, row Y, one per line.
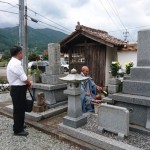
column 15, row 72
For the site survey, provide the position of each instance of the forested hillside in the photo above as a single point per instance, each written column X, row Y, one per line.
column 38, row 39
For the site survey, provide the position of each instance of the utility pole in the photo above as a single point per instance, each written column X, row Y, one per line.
column 125, row 35
column 125, row 38
column 26, row 42
column 22, row 33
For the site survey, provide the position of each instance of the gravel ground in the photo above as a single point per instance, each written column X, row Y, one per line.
column 5, row 96
column 135, row 139
column 36, row 140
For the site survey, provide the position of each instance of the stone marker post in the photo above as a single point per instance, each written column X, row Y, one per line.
column 75, row 117
column 143, row 53
column 54, row 70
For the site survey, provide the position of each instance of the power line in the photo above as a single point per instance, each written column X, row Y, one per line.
column 132, row 28
column 52, row 26
column 35, row 20
column 117, row 15
column 8, row 3
column 49, row 19
column 9, row 8
column 107, row 12
column 68, row 31
column 45, row 34
column 8, row 12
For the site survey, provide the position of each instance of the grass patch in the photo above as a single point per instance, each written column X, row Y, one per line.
column 3, row 80
column 3, row 64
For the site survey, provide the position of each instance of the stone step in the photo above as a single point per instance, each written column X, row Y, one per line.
column 136, row 87
column 37, row 116
column 132, row 99
column 140, row 74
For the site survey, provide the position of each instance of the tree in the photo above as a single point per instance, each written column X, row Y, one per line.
column 45, row 57
column 33, row 57
column 6, row 55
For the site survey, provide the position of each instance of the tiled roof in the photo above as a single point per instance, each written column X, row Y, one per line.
column 129, row 47
column 98, row 35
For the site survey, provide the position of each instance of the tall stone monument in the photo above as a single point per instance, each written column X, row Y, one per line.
column 54, row 70
column 135, row 94
column 51, row 85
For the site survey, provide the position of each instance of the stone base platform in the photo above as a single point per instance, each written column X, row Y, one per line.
column 75, row 122
column 95, row 139
column 139, row 129
column 138, row 106
column 42, row 108
column 53, row 93
column 34, row 116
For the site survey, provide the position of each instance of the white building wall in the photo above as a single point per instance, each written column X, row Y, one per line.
column 127, row 56
column 111, row 55
column 122, row 57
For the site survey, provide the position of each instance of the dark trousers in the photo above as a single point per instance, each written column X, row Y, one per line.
column 18, row 95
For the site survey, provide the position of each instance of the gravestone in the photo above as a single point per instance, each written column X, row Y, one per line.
column 54, row 70
column 135, row 94
column 51, row 85
column 114, row 119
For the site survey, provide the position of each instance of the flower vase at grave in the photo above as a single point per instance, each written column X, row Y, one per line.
column 128, row 71
column 115, row 66
column 128, row 67
column 114, row 73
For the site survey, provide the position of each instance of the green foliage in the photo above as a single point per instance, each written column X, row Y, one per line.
column 35, row 71
column 39, row 38
column 128, row 67
column 3, row 80
column 6, row 55
column 8, row 37
column 45, row 57
column 33, row 57
column 3, row 63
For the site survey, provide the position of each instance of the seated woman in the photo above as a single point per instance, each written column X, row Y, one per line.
column 89, row 91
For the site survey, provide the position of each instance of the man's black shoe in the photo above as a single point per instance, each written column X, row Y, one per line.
column 24, row 126
column 22, row 133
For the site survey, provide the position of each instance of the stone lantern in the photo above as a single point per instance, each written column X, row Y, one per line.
column 75, row 117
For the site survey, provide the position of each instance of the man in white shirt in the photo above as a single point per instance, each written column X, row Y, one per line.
column 18, row 82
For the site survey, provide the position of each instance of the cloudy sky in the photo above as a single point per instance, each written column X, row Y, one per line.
column 114, row 16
